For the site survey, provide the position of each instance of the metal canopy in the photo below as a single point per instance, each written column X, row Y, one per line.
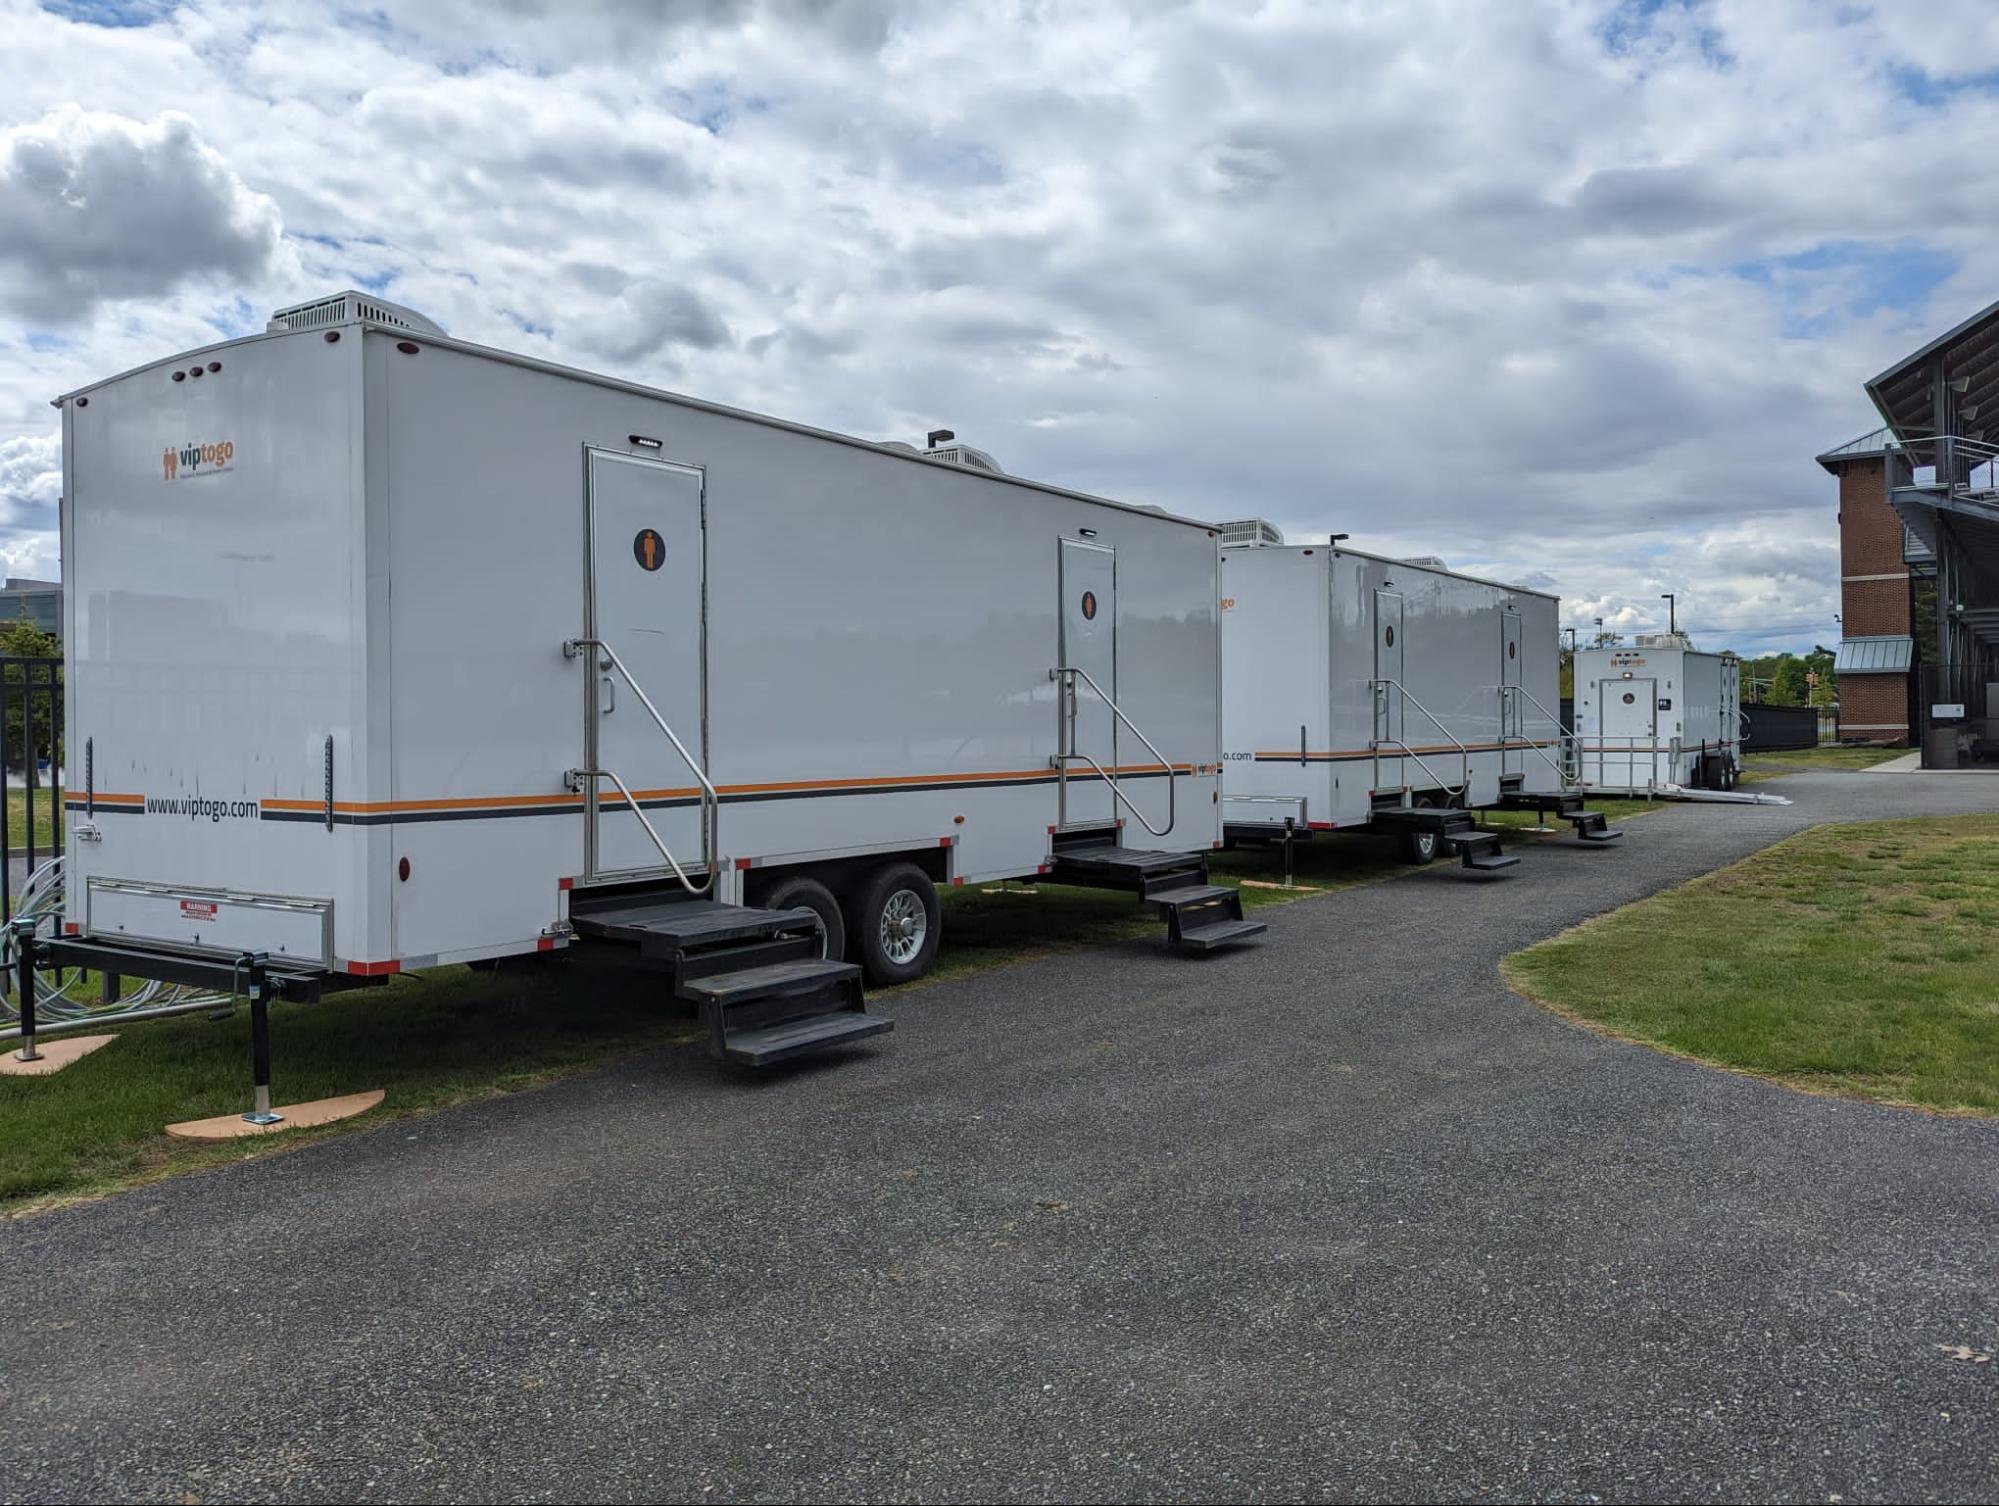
column 1887, row 655
column 1968, row 356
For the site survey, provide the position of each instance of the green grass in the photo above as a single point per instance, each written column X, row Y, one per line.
column 46, row 821
column 1854, row 959
column 1760, row 766
column 432, row 1040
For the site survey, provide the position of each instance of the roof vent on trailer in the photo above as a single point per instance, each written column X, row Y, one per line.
column 1426, row 561
column 1662, row 640
column 350, row 307
column 942, row 444
column 1250, row 533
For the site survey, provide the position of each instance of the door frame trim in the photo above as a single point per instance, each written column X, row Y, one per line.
column 592, row 666
column 1063, row 544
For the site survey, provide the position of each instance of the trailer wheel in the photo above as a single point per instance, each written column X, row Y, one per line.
column 894, row 923
column 1420, row 847
column 797, row 892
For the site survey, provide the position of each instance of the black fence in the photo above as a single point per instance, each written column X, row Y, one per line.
column 31, row 751
column 1767, row 729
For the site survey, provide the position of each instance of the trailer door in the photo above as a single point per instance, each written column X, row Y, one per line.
column 1629, row 716
column 1388, row 649
column 1512, row 719
column 645, row 605
column 1089, row 643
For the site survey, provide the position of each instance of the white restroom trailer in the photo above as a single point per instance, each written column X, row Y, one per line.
column 387, row 650
column 1363, row 692
column 1658, row 713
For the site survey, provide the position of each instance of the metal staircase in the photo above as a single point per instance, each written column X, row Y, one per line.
column 1589, row 825
column 1454, row 830
column 1199, row 916
column 757, row 977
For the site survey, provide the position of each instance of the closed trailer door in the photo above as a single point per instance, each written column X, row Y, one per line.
column 1512, row 714
column 1388, row 659
column 1630, row 720
column 645, row 605
column 1089, row 643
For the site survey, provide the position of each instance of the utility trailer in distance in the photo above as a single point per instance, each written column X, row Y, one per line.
column 1658, row 716
column 389, row 651
column 1361, row 693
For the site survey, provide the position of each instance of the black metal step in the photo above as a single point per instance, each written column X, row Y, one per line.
column 1593, row 826
column 1564, row 804
column 1219, row 933
column 1477, row 849
column 775, row 980
column 680, row 924
column 1437, row 818
column 1194, row 894
column 795, row 1037
column 1140, row 873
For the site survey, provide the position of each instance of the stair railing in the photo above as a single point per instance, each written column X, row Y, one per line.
column 1376, row 744
column 710, row 799
column 1059, row 761
column 1569, row 740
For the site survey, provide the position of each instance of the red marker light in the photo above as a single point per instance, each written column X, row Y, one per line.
column 408, row 347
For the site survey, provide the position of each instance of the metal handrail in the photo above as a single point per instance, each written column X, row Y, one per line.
column 664, row 851
column 711, row 799
column 1172, row 779
column 1568, row 733
column 1464, row 753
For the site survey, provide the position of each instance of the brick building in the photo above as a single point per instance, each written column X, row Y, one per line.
column 1919, row 551
column 1879, row 561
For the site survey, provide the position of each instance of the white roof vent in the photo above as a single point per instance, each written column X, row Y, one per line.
column 1250, row 533
column 1662, row 640
column 1426, row 562
column 350, row 307
column 965, row 455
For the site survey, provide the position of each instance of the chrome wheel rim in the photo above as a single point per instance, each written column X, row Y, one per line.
column 904, row 925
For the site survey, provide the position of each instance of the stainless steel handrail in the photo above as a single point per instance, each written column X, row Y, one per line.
column 657, row 841
column 1172, row 778
column 1568, row 733
column 710, row 798
column 1464, row 753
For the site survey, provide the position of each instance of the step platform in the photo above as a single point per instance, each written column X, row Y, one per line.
column 756, row 976
column 1588, row 825
column 1456, row 831
column 1199, row 916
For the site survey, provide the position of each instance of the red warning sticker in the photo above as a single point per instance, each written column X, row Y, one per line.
column 197, row 909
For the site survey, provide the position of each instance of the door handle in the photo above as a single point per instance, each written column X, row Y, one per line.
column 610, row 698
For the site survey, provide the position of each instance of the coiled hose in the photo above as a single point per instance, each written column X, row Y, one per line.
column 56, row 997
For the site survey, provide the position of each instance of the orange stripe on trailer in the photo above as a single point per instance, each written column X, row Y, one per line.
column 72, row 798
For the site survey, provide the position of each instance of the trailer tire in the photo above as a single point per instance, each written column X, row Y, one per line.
column 797, row 892
column 1421, row 847
column 894, row 922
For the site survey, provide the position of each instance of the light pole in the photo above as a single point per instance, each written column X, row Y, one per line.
column 1672, row 608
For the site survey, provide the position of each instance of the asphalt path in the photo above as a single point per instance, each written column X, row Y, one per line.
column 1332, row 1216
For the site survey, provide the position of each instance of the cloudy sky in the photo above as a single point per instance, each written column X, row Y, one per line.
column 1567, row 291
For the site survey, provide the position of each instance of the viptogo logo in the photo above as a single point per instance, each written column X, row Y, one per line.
column 196, row 459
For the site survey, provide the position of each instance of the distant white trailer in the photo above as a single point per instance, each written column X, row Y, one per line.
column 387, row 650
column 1657, row 715
column 1366, row 692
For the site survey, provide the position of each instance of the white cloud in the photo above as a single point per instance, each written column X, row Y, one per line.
column 1570, row 291
column 95, row 206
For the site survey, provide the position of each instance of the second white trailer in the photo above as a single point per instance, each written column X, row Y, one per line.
column 1656, row 715
column 1360, row 691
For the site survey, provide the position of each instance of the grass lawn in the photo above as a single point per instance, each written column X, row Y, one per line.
column 46, row 822
column 1852, row 959
column 1760, row 766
